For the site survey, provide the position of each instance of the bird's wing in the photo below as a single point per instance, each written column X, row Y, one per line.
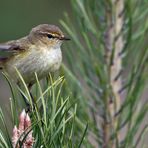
column 8, row 49
column 14, row 46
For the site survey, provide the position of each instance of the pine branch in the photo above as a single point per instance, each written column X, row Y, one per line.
column 114, row 45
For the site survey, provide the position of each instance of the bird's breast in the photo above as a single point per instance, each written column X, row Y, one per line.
column 50, row 60
column 40, row 61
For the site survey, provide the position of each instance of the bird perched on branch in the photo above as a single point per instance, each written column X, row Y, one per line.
column 39, row 52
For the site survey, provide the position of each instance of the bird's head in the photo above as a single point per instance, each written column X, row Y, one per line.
column 49, row 35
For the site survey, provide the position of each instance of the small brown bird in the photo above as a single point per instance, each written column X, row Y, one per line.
column 38, row 52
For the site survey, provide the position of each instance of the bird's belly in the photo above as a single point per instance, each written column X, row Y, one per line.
column 40, row 62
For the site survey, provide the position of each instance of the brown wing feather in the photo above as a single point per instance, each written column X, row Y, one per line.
column 14, row 45
column 9, row 47
column 7, row 50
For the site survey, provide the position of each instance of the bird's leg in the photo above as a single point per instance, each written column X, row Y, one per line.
column 32, row 98
column 24, row 98
column 29, row 88
column 28, row 105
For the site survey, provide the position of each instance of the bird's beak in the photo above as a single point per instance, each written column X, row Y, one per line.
column 64, row 38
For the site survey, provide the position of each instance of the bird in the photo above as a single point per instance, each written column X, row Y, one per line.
column 39, row 52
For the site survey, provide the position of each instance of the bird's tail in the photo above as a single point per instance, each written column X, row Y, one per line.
column 1, row 67
column 2, row 60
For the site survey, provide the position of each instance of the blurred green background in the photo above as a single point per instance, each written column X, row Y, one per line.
column 17, row 17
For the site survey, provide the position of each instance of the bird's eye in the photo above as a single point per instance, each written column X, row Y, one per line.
column 50, row 36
